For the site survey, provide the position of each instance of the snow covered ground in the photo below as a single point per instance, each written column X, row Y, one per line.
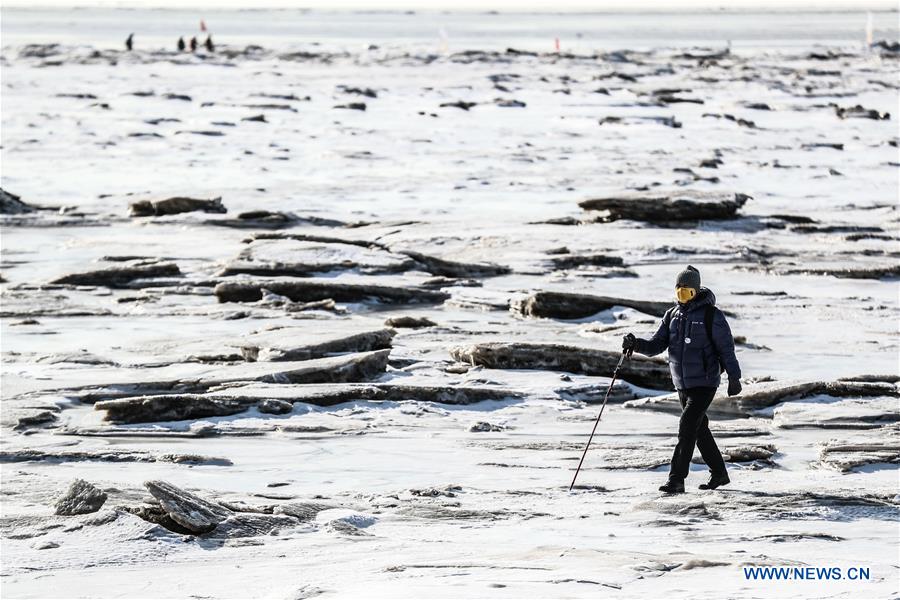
column 248, row 358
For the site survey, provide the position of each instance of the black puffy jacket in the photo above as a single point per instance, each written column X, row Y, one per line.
column 693, row 360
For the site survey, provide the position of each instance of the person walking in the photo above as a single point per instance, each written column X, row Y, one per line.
column 700, row 347
column 129, row 42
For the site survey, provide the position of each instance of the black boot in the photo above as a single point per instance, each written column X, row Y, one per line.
column 715, row 481
column 672, row 487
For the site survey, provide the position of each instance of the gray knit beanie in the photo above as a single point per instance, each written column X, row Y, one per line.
column 690, row 277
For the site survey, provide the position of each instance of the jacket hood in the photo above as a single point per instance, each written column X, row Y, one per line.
column 704, row 296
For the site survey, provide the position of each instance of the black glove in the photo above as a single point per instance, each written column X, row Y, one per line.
column 734, row 386
column 628, row 343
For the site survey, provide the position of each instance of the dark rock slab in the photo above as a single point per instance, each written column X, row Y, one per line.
column 441, row 394
column 188, row 510
column 859, row 112
column 665, row 207
column 846, row 456
column 509, row 103
column 273, row 406
column 302, row 511
column 462, row 104
column 653, row 373
column 746, row 453
column 77, row 96
column 756, row 396
column 170, row 407
column 594, row 393
column 707, row 55
column 204, row 132
column 81, row 498
column 440, row 281
column 407, row 322
column 178, row 407
column 265, row 219
column 176, row 205
column 563, row 305
column 308, row 291
column 563, row 221
column 449, row 268
column 742, row 122
column 879, row 272
column 241, row 525
column 276, row 344
column 40, row 50
column 343, row 527
column 308, row 237
column 118, row 276
column 812, row 228
column 814, row 145
column 10, row 204
column 368, row 92
column 154, row 432
column 107, row 455
column 889, row 46
column 25, row 418
column 270, row 106
column 673, row 99
column 667, row 121
column 572, row 261
column 154, row 513
column 884, row 377
column 485, row 427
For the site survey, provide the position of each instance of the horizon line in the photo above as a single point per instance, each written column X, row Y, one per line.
column 471, row 6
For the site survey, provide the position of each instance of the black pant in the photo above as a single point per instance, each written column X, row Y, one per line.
column 693, row 428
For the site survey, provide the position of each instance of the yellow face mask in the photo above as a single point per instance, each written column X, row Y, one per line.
column 684, row 294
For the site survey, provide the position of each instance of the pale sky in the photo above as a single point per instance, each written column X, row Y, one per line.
column 474, row 5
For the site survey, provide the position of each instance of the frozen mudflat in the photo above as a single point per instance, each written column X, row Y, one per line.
column 334, row 320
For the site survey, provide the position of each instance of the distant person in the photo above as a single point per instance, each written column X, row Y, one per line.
column 194, row 44
column 181, row 45
column 129, row 42
column 700, row 347
column 209, row 44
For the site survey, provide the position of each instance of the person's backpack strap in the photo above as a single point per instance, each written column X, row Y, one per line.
column 708, row 317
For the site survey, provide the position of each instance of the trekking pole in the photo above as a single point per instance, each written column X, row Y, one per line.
column 625, row 354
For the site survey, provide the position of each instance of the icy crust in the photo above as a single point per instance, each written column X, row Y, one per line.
column 349, row 315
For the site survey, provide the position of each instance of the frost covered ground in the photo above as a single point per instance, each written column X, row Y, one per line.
column 299, row 438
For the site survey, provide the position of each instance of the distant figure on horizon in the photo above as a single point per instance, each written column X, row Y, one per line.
column 181, row 45
column 194, row 44
column 129, row 42
column 209, row 44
